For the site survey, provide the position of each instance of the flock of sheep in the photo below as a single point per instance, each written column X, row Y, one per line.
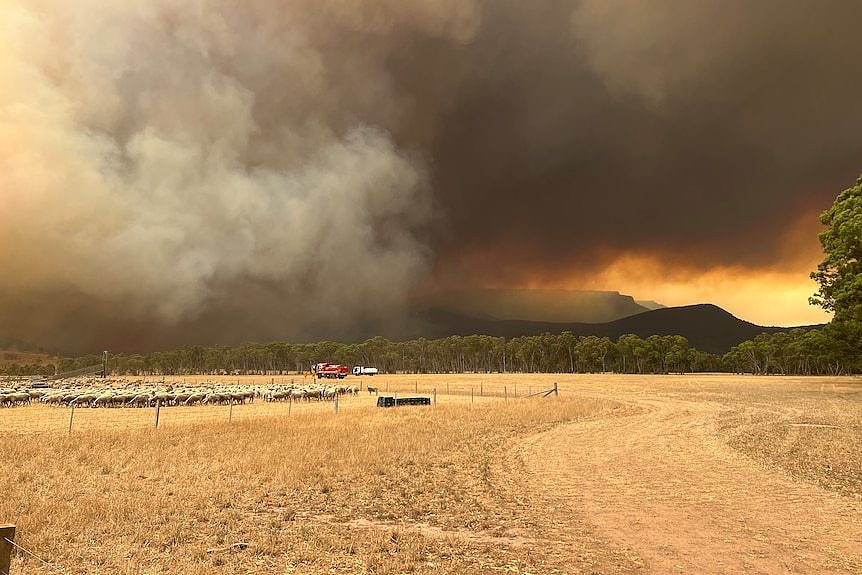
column 122, row 392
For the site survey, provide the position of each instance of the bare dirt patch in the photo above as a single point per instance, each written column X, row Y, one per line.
column 676, row 488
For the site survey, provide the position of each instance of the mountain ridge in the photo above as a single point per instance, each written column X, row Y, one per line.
column 545, row 304
column 707, row 327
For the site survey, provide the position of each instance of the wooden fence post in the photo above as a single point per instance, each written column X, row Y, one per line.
column 556, row 392
column 505, row 394
column 471, row 395
column 158, row 407
column 71, row 416
column 289, row 403
column 415, row 387
column 7, row 535
column 482, row 388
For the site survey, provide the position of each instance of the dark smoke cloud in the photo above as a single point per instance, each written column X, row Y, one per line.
column 213, row 171
column 695, row 131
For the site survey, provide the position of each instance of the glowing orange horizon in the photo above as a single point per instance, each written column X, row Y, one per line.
column 775, row 295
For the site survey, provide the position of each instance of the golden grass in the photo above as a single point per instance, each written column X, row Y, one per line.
column 313, row 492
column 812, row 434
column 368, row 490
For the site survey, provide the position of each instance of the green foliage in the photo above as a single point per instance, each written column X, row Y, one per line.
column 796, row 352
column 840, row 273
column 564, row 353
column 17, row 369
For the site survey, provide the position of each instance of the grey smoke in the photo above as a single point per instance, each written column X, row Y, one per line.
column 211, row 171
column 164, row 158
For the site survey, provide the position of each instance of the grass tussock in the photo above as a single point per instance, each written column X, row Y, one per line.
column 814, row 438
column 368, row 490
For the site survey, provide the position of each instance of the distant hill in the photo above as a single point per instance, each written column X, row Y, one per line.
column 13, row 344
column 707, row 327
column 20, row 352
column 552, row 305
column 649, row 304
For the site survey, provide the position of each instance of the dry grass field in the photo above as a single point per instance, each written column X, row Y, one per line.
column 620, row 474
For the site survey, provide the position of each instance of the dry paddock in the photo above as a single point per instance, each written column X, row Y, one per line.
column 620, row 474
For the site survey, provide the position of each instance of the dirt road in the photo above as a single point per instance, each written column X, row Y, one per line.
column 665, row 490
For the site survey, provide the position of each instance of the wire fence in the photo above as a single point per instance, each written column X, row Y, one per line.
column 42, row 417
column 53, row 567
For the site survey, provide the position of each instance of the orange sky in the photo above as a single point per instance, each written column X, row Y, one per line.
column 764, row 297
column 777, row 295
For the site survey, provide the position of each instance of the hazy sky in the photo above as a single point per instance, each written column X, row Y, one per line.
column 191, row 172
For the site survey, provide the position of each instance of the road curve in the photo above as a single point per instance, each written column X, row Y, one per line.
column 664, row 488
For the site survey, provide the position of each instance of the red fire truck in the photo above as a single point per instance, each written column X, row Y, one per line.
column 330, row 371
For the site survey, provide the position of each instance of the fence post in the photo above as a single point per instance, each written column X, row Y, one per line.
column 7, row 535
column 71, row 416
column 158, row 407
column 415, row 387
column 471, row 395
column 482, row 388
column 289, row 403
column 556, row 391
column 505, row 394
column 336, row 403
column 230, row 413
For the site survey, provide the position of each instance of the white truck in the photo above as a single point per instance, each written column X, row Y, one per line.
column 362, row 370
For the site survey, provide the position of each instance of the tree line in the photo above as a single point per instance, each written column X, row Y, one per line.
column 795, row 352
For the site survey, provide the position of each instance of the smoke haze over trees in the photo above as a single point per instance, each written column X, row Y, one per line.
column 216, row 172
column 801, row 352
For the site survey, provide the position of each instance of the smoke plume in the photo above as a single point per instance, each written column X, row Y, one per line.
column 161, row 159
column 212, row 171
